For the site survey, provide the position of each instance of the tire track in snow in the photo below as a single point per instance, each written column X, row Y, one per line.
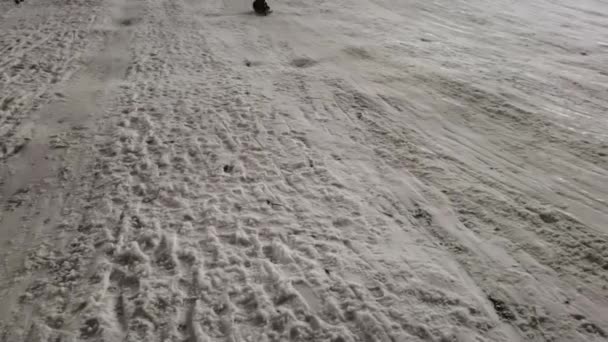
column 40, row 183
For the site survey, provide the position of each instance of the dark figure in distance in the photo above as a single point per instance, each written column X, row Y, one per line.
column 261, row 7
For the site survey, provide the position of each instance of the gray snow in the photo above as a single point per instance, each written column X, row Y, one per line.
column 340, row 171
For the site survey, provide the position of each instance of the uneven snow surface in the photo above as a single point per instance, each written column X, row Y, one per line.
column 339, row 171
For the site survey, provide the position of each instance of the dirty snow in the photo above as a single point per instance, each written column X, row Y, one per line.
column 365, row 170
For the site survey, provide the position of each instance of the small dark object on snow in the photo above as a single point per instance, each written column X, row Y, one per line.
column 261, row 7
column 18, row 1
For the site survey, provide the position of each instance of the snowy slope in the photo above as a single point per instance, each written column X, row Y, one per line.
column 364, row 170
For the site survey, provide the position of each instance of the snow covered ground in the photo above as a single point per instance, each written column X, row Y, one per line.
column 363, row 170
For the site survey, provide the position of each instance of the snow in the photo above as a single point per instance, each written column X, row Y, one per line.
column 372, row 170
